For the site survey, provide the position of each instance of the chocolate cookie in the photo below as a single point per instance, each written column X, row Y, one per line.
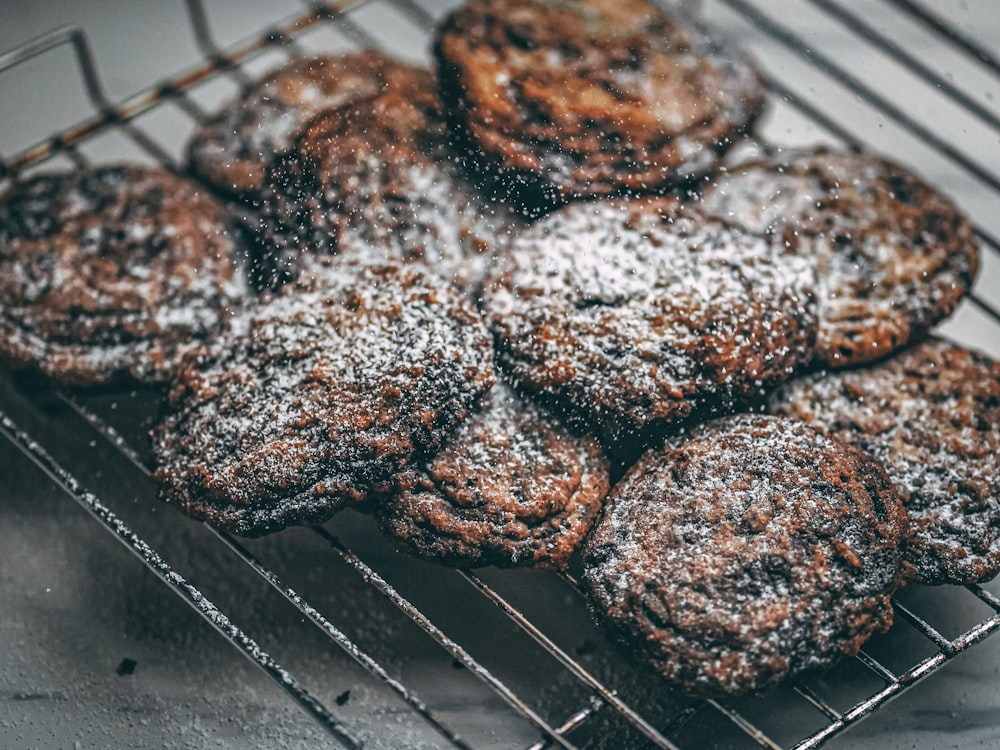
column 376, row 181
column 893, row 256
column 512, row 488
column 931, row 415
column 746, row 553
column 322, row 399
column 634, row 316
column 592, row 98
column 111, row 271
column 232, row 150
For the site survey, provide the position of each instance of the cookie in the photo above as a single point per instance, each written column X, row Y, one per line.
column 231, row 151
column 931, row 415
column 746, row 553
column 317, row 400
column 893, row 256
column 593, row 98
column 376, row 181
column 112, row 271
column 513, row 488
column 635, row 316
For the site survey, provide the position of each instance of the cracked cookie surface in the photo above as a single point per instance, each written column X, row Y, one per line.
column 748, row 551
column 232, row 150
column 931, row 415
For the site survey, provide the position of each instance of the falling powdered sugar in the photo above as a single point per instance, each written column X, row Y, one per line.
column 232, row 150
column 377, row 182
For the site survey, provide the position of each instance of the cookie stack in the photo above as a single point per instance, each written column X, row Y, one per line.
column 523, row 310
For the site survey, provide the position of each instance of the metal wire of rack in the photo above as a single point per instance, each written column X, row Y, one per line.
column 662, row 726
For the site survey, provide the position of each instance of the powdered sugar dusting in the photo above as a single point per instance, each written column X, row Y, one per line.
column 636, row 314
column 324, row 398
column 441, row 225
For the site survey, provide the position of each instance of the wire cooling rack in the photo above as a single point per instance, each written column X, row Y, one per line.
column 543, row 673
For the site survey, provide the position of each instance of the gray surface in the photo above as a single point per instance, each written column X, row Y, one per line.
column 75, row 604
